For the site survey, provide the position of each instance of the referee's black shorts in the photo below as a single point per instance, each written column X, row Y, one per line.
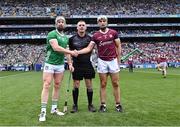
column 83, row 70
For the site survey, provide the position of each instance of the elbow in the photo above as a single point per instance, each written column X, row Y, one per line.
column 88, row 50
column 55, row 48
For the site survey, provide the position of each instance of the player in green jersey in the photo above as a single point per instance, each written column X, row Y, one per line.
column 56, row 50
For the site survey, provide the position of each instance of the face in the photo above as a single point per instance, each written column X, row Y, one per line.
column 102, row 24
column 60, row 24
column 81, row 27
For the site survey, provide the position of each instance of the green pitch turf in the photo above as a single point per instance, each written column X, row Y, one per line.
column 147, row 99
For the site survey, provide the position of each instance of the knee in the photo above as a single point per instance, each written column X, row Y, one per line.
column 76, row 84
column 115, row 84
column 56, row 85
column 103, row 84
column 46, row 85
column 89, row 86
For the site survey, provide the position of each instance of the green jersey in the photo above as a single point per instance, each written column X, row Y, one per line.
column 54, row 57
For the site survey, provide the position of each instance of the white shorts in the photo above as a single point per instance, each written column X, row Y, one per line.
column 53, row 68
column 108, row 66
column 163, row 64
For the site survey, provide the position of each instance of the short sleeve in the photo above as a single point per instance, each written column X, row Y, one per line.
column 93, row 38
column 115, row 34
column 51, row 35
column 70, row 43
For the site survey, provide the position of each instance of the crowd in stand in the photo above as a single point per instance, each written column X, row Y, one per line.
column 24, row 33
column 88, row 7
column 148, row 7
column 30, row 53
column 121, row 32
column 139, row 32
column 152, row 50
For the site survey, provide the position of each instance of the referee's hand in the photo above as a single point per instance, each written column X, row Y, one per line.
column 74, row 53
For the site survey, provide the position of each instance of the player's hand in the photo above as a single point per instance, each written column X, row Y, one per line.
column 74, row 53
column 71, row 68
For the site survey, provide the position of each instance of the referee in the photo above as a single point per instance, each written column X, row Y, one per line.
column 82, row 66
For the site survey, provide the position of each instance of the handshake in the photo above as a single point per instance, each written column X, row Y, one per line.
column 74, row 53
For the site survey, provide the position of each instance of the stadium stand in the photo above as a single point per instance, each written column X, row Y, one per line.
column 88, row 7
column 33, row 53
column 143, row 24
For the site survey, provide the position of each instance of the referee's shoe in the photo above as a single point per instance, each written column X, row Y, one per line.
column 91, row 108
column 74, row 109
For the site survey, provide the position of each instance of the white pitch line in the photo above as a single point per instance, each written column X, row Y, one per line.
column 154, row 72
column 12, row 75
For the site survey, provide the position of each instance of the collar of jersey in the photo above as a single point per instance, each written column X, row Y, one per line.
column 59, row 33
column 104, row 32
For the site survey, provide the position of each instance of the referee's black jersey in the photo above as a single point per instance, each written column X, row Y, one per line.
column 78, row 43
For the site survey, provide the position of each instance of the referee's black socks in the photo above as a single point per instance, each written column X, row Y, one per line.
column 89, row 96
column 75, row 93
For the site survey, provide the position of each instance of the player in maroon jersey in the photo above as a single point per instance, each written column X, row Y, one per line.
column 130, row 64
column 162, row 64
column 109, row 51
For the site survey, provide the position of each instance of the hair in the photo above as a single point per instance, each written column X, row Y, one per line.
column 81, row 21
column 60, row 17
column 102, row 17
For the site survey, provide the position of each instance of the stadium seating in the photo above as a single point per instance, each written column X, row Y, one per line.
column 143, row 24
column 88, row 7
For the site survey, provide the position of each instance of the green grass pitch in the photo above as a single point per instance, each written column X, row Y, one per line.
column 147, row 98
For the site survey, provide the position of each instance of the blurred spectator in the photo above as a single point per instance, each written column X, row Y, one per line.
column 88, row 7
column 29, row 54
column 151, row 50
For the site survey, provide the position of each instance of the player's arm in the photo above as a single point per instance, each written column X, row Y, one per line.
column 118, row 49
column 56, row 47
column 87, row 49
column 69, row 61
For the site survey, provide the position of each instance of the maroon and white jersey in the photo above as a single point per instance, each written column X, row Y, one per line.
column 130, row 61
column 106, row 44
column 162, row 58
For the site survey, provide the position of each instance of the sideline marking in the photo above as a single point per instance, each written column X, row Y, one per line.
column 155, row 72
column 13, row 75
